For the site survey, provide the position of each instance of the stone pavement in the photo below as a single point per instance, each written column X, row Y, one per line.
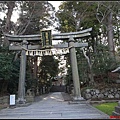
column 53, row 106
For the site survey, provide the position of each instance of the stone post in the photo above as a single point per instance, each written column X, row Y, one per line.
column 21, row 87
column 75, row 76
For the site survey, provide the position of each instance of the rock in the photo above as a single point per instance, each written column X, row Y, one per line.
column 87, row 96
column 106, row 93
column 94, row 96
column 110, row 96
column 97, row 95
column 92, row 92
column 100, row 96
column 102, row 91
column 88, row 90
column 111, row 90
column 106, row 89
column 97, row 91
column 115, row 89
column 117, row 96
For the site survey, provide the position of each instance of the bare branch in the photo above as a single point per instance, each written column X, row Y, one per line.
column 29, row 20
column 23, row 29
column 88, row 60
column 99, row 13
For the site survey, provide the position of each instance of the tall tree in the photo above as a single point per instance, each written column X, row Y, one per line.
column 106, row 13
column 87, row 13
column 9, row 6
column 9, row 71
column 31, row 20
column 33, row 17
column 71, row 15
column 48, row 67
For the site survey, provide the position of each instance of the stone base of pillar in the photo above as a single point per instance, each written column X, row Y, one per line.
column 78, row 98
column 20, row 101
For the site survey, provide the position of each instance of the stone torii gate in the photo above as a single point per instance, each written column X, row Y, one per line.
column 25, row 48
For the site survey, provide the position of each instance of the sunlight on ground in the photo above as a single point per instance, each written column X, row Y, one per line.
column 57, row 99
column 55, row 96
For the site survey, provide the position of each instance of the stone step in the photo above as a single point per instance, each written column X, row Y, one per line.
column 66, row 96
column 78, row 102
column 115, row 113
column 23, row 105
column 117, row 109
column 56, row 88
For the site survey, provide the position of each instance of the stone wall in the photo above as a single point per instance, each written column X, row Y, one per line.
column 4, row 100
column 107, row 93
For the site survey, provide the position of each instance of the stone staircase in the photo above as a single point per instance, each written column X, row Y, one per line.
column 56, row 88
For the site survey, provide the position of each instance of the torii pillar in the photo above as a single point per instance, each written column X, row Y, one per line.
column 22, row 75
column 75, row 75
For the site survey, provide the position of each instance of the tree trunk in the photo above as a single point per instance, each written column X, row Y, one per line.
column 90, row 69
column 10, row 5
column 110, row 35
column 35, row 68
